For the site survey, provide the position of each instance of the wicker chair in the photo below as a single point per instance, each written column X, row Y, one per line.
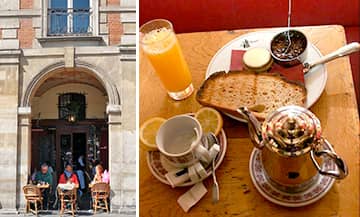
column 67, row 196
column 33, row 196
column 100, row 192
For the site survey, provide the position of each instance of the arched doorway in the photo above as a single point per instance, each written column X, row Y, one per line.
column 67, row 111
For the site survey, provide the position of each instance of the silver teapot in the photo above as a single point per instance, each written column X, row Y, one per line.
column 293, row 147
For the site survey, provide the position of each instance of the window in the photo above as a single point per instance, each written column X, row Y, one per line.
column 72, row 104
column 69, row 17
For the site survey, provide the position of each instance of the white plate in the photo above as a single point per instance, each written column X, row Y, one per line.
column 271, row 192
column 315, row 80
column 159, row 165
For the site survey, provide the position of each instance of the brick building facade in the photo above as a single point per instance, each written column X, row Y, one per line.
column 68, row 46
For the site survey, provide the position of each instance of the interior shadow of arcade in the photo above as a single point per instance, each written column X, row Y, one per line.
column 69, row 128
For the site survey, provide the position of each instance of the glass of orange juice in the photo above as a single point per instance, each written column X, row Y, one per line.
column 159, row 43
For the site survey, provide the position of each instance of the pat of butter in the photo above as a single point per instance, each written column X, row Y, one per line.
column 256, row 57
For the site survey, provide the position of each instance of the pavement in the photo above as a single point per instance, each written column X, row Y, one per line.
column 56, row 213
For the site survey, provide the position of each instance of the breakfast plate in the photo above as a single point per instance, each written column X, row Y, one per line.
column 276, row 193
column 315, row 80
column 159, row 165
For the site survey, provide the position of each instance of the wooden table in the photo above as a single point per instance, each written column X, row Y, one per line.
column 336, row 109
column 45, row 186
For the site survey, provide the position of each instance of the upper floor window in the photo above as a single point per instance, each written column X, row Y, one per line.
column 69, row 17
column 72, row 104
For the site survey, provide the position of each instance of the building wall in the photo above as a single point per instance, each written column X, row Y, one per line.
column 22, row 23
column 26, row 51
column 8, row 134
column 47, row 104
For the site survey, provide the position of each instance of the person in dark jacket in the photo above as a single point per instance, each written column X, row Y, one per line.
column 44, row 177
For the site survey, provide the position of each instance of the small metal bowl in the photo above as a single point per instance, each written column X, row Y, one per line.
column 286, row 55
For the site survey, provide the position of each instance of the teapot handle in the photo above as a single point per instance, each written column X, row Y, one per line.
column 342, row 171
column 254, row 127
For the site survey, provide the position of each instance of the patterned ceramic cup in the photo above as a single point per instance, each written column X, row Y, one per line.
column 179, row 140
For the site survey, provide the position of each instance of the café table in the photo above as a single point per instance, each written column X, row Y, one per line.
column 44, row 186
column 336, row 109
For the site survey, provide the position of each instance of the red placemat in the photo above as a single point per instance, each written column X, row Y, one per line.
column 294, row 73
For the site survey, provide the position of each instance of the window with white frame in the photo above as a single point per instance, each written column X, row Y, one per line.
column 69, row 17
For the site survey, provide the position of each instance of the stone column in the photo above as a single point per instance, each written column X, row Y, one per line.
column 24, row 153
column 122, row 173
column 115, row 156
column 9, row 80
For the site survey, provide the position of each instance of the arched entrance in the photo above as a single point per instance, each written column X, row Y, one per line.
column 47, row 131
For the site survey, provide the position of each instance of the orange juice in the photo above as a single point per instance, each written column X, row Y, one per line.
column 164, row 52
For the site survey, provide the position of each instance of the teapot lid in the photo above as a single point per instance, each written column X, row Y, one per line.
column 291, row 131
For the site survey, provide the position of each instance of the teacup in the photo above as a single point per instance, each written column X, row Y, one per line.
column 179, row 140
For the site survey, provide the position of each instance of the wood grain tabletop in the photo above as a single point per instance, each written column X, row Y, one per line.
column 336, row 109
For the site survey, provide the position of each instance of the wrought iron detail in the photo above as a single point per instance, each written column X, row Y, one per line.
column 69, row 21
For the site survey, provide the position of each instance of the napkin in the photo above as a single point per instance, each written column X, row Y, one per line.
column 192, row 196
column 293, row 73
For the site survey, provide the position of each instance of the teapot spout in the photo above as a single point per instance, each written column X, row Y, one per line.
column 254, row 126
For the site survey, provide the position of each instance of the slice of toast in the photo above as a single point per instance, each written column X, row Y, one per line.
column 229, row 91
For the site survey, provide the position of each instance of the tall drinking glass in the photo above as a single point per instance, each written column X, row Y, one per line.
column 159, row 43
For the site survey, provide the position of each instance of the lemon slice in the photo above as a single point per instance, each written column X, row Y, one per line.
column 210, row 120
column 148, row 132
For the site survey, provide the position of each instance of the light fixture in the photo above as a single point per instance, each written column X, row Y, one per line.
column 71, row 118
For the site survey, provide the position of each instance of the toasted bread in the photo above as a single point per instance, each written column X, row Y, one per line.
column 229, row 91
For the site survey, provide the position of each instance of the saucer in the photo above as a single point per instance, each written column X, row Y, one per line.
column 273, row 193
column 159, row 165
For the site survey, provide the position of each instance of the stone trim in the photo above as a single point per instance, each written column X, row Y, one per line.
column 114, row 122
column 128, row 21
column 116, row 109
column 117, row 9
column 112, row 92
column 9, row 44
column 9, row 61
column 128, row 57
column 69, row 57
column 24, row 110
column 20, row 13
column 59, row 51
column 13, row 52
column 9, row 57
column 128, row 52
column 69, row 38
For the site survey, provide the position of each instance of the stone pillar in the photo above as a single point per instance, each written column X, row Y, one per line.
column 122, row 173
column 9, row 80
column 24, row 153
column 115, row 156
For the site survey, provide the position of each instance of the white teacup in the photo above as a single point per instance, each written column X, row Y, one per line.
column 179, row 139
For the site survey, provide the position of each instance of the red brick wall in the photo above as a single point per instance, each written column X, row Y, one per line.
column 115, row 28
column 113, row 2
column 114, row 24
column 26, row 33
column 26, row 4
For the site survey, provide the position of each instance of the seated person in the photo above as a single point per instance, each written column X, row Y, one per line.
column 79, row 170
column 44, row 177
column 93, row 167
column 69, row 177
column 100, row 175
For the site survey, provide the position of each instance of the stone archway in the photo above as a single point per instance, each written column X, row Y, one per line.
column 114, row 97
column 113, row 110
